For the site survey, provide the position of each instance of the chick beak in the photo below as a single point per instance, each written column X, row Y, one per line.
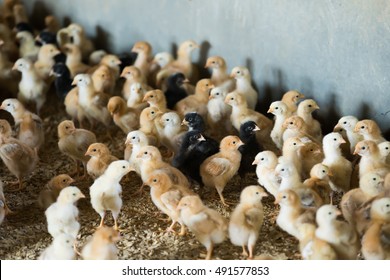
column 240, row 143
column 186, row 81
column 342, row 141
column 87, row 153
column 82, row 195
column 51, row 73
column 127, row 142
column 122, row 75
column 256, row 128
column 317, row 107
column 232, row 75
column 256, row 161
column 207, row 65
column 337, row 127
column 72, row 180
column 145, row 99
column 184, row 122
column 277, row 201
column 270, row 110
column 330, row 174
column 356, row 129
column 356, row 151
column 227, row 100
column 74, row 82
column 210, row 97
column 139, row 155
column 338, row 212
column 201, row 138
column 14, row 67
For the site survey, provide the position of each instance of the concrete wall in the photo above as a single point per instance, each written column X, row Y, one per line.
column 335, row 51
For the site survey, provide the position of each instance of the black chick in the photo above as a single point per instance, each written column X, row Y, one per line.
column 195, row 148
column 194, row 121
column 63, row 81
column 127, row 60
column 46, row 37
column 250, row 149
column 24, row 26
column 175, row 91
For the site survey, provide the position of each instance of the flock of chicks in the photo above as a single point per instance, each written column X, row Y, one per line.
column 294, row 163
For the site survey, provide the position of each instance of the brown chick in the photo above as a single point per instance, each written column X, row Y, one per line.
column 166, row 196
column 305, row 110
column 156, row 98
column 196, row 102
column 72, row 107
column 217, row 170
column 52, row 189
column 219, row 75
column 375, row 242
column 149, row 116
column 20, row 13
column 291, row 99
column 125, row 118
column 132, row 75
column 241, row 114
column 144, row 57
column 310, row 155
column 208, row 225
column 102, row 245
column 19, row 158
column 74, row 60
column 295, row 126
column 370, row 130
column 112, row 62
column 74, row 143
column 46, row 61
column 100, row 159
column 103, row 79
column 52, row 24
column 319, row 182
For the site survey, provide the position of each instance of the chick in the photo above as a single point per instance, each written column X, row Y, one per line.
column 62, row 215
column 32, row 87
column 310, row 154
column 175, row 90
column 266, row 162
column 219, row 75
column 93, row 103
column 4, row 210
column 135, row 140
column 348, row 123
column 196, row 102
column 96, row 57
column 144, row 53
column 218, row 113
column 52, row 189
column 136, row 97
column 103, row 79
column 208, row 226
column 74, row 60
column 172, row 132
column 281, row 112
column 75, row 33
column 291, row 99
column 149, row 116
column 290, row 153
column 246, row 219
column 127, row 119
column 52, row 24
column 219, row 168
column 370, row 130
column 162, row 59
column 29, row 127
column 244, row 87
column 46, row 60
column 292, row 216
column 339, row 234
column 295, row 126
column 305, row 110
column 102, row 245
column 250, row 148
column 72, row 107
column 319, row 182
column 156, row 98
column 241, row 113
column 340, row 167
column 27, row 49
column 375, row 242
column 63, row 81
column 384, row 149
column 194, row 149
column 132, row 75
column 166, row 196
column 106, row 191
column 152, row 160
column 12, row 150
column 75, row 142
column 60, row 249
column 371, row 158
column 100, row 159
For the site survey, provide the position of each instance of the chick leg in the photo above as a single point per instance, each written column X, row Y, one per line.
column 250, row 248
column 170, row 228
column 224, row 202
column 18, row 182
column 115, row 216
column 182, row 230
column 244, row 252
column 209, row 251
column 102, row 215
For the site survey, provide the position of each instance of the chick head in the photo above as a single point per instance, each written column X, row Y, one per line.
column 130, row 72
column 235, row 99
column 204, row 86
column 366, row 127
column 252, row 194
column 111, row 61
column 278, row 108
column 215, row 62
column 12, row 105
column 366, row 147
column 158, row 179
column 240, row 72
column 65, row 128
column 82, row 80
column 191, row 202
column 97, row 150
column 149, row 153
column 347, row 122
column 170, row 119
column 308, row 105
column 380, row 209
column 326, row 214
column 288, row 198
column 218, row 93
column 230, row 143
column 293, row 122
column 187, row 47
column 333, row 139
column 136, row 137
column 115, row 105
column 70, row 195
column 293, row 96
column 372, row 184
column 61, row 181
column 142, row 47
column 5, row 128
column 22, row 64
column 266, row 159
column 118, row 168
column 320, row 171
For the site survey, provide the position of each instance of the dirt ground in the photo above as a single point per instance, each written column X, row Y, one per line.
column 24, row 235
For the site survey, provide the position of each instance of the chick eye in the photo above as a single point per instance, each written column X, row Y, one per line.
column 234, row 142
column 145, row 153
column 129, row 73
column 330, row 213
column 207, row 85
column 344, row 122
column 387, row 205
column 123, row 166
column 282, row 169
column 151, row 96
column 64, row 181
column 238, row 72
column 276, row 108
column 363, row 148
column 334, row 139
column 363, row 127
column 291, row 123
column 154, row 180
column 374, row 179
column 20, row 65
column 8, row 104
column 152, row 112
column 284, row 197
column 294, row 144
column 262, row 158
column 232, row 98
column 217, row 93
column 323, row 171
column 167, row 120
column 94, row 150
column 190, row 45
column 80, row 80
column 133, row 137
column 213, row 62
column 309, row 106
column 74, row 194
column 67, row 241
column 311, row 150
column 297, row 96
column 66, row 127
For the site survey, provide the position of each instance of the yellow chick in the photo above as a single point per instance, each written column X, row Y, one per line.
column 291, row 99
column 319, row 181
column 156, row 98
column 266, row 162
column 102, row 245
column 135, row 140
column 46, row 61
column 247, row 219
column 136, row 97
column 281, row 112
column 371, row 158
column 52, row 189
column 125, row 118
column 74, row 60
column 208, row 226
column 375, row 242
column 348, row 123
column 196, row 102
column 74, row 143
column 370, row 130
column 144, row 57
column 217, row 170
column 27, row 48
column 132, row 75
column 166, row 196
column 100, row 159
column 244, row 85
column 295, row 126
column 106, row 191
column 310, row 154
column 339, row 234
column 103, row 79
column 12, row 151
column 305, row 110
column 219, row 75
column 149, row 116
column 72, row 107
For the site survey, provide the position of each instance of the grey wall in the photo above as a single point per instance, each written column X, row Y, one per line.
column 335, row 51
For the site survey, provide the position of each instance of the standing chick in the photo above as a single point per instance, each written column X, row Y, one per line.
column 266, row 162
column 247, row 219
column 218, row 117
column 127, row 119
column 106, row 191
column 208, row 225
column 305, row 110
column 175, row 90
column 52, row 189
column 60, row 249
column 102, row 245
column 219, row 75
column 218, row 169
column 62, row 215
column 291, row 99
column 348, row 123
column 244, row 86
column 135, row 140
column 370, row 130
column 74, row 143
column 281, row 112
column 250, row 148
column 100, row 159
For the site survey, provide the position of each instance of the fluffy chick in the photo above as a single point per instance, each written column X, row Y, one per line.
column 371, row 158
column 135, row 140
column 219, row 75
column 63, row 81
column 319, row 181
column 218, row 113
column 52, row 189
column 266, row 162
column 291, row 99
column 208, row 226
column 102, row 245
column 127, row 119
column 60, row 249
column 46, row 60
column 12, row 150
column 148, row 119
column 305, row 110
column 250, row 148
column 75, row 142
column 100, row 159
column 175, row 90
column 136, row 96
column 281, row 112
column 244, row 86
column 370, row 130
column 156, row 98
column 217, row 170
column 106, row 191
column 74, row 60
column 144, row 57
column 62, row 215
column 172, row 132
column 348, row 123
column 339, row 234
column 247, row 219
